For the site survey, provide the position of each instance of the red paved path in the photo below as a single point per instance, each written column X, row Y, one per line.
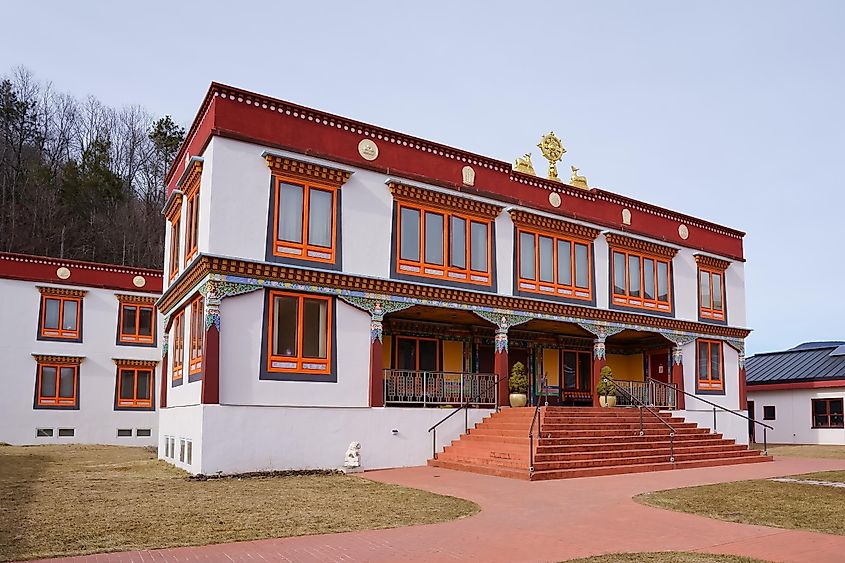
column 541, row 521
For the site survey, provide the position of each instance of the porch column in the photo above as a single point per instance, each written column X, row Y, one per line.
column 678, row 376
column 210, row 394
column 743, row 395
column 500, row 364
column 599, row 361
column 376, row 358
column 164, row 379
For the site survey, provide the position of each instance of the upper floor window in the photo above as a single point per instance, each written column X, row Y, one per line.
column 305, row 221
column 304, row 212
column 177, row 350
column 174, row 247
column 299, row 334
column 642, row 274
column 711, row 288
column 135, row 383
column 197, row 337
column 57, row 382
column 443, row 236
column 190, row 184
column 828, row 413
column 711, row 376
column 136, row 320
column 61, row 314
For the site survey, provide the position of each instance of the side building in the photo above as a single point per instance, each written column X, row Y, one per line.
column 80, row 352
column 330, row 281
column 800, row 393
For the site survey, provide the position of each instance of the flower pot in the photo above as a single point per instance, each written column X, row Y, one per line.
column 607, row 400
column 518, row 399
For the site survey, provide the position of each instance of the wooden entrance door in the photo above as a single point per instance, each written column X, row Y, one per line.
column 751, row 424
column 658, row 367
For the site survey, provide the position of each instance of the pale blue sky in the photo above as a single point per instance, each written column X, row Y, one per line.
column 730, row 111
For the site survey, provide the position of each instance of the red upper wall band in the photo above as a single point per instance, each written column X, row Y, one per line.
column 238, row 114
column 44, row 269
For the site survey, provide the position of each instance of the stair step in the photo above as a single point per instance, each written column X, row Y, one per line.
column 619, row 469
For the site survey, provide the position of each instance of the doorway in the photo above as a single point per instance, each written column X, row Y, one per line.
column 658, row 367
column 751, row 424
column 416, row 354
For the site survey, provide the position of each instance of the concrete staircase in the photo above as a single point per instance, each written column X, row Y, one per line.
column 584, row 442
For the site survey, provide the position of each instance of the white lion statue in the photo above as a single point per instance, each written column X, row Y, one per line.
column 353, row 455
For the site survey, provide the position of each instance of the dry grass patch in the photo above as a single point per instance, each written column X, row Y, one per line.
column 665, row 557
column 766, row 503
column 71, row 500
column 792, row 450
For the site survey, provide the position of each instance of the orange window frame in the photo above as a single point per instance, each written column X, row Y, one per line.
column 571, row 291
column 135, row 402
column 56, row 400
column 709, row 310
column 298, row 363
column 641, row 302
column 446, row 270
column 60, row 332
column 178, row 346
column 304, row 250
column 192, row 217
column 175, row 243
column 708, row 383
column 197, row 335
column 136, row 337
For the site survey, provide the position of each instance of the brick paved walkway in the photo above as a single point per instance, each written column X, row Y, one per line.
column 541, row 521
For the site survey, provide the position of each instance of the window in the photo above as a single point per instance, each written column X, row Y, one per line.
column 124, row 432
column 577, row 370
column 711, row 294
column 710, row 366
column 192, row 218
column 66, row 432
column 134, row 387
column 436, row 243
column 143, row 432
column 137, row 323
column 827, row 413
column 43, row 432
column 57, row 386
column 197, row 334
column 641, row 281
column 769, row 412
column 61, row 315
column 178, row 349
column 174, row 246
column 552, row 265
column 182, row 450
column 304, row 223
column 299, row 335
column 417, row 354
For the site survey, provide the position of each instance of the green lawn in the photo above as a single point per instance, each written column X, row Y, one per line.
column 791, row 450
column 72, row 500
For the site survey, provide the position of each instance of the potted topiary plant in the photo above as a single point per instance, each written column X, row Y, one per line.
column 518, row 385
column 606, row 388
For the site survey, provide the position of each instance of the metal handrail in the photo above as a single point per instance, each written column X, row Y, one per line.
column 465, row 408
column 656, row 415
column 537, row 418
column 715, row 406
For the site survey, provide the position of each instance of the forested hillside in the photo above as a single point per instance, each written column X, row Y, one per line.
column 79, row 179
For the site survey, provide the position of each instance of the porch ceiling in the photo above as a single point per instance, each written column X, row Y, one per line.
column 553, row 327
column 638, row 337
column 440, row 315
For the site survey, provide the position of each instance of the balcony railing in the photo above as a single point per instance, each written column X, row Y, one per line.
column 435, row 388
column 647, row 392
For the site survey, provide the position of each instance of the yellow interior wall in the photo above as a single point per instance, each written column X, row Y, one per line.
column 627, row 367
column 387, row 352
column 453, row 355
column 551, row 366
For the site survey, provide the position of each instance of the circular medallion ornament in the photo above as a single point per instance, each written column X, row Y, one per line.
column 554, row 199
column 683, row 232
column 139, row 281
column 63, row 273
column 368, row 149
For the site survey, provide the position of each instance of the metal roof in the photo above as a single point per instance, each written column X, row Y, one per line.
column 812, row 361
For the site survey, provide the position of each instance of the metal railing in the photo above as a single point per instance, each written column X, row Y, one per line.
column 648, row 392
column 642, row 405
column 465, row 407
column 436, row 388
column 715, row 406
column 536, row 419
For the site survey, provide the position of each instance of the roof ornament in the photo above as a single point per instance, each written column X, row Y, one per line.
column 578, row 181
column 523, row 164
column 553, row 151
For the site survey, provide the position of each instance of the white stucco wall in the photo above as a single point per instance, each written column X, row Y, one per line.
column 183, row 422
column 96, row 421
column 793, row 416
column 728, row 425
column 728, row 400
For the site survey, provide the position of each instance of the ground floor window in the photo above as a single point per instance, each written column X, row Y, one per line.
column 769, row 412
column 417, row 354
column 57, row 386
column 710, row 366
column 299, row 333
column 134, row 387
column 827, row 413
